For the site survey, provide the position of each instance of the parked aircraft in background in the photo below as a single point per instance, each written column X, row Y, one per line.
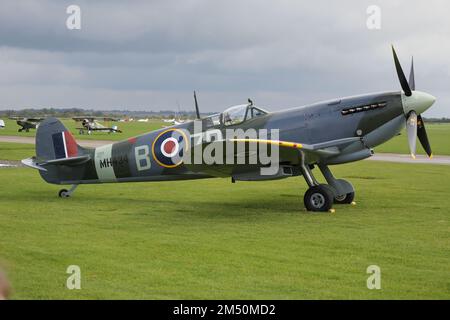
column 126, row 119
column 26, row 123
column 92, row 124
column 173, row 121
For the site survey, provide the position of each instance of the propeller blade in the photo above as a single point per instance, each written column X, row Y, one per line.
column 197, row 111
column 401, row 75
column 411, row 130
column 412, row 82
column 422, row 135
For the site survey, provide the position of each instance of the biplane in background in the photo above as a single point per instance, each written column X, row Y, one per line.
column 26, row 123
column 92, row 124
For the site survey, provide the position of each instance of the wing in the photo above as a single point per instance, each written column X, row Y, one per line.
column 106, row 129
column 98, row 125
column 290, row 153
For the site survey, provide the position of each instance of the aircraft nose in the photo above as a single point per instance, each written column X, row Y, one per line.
column 418, row 102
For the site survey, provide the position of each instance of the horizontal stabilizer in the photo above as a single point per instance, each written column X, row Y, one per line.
column 31, row 162
column 72, row 161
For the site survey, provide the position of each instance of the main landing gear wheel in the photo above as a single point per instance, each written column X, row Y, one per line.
column 345, row 199
column 63, row 193
column 318, row 198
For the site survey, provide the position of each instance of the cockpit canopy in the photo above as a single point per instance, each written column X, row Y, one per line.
column 237, row 114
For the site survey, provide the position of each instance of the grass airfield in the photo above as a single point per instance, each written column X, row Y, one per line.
column 16, row 151
column 210, row 239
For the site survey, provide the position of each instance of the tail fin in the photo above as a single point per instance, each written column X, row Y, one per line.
column 59, row 158
column 54, row 141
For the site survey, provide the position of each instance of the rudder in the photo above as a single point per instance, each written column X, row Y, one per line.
column 54, row 141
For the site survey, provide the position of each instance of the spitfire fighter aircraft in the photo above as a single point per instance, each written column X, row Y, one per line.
column 91, row 124
column 327, row 133
column 26, row 123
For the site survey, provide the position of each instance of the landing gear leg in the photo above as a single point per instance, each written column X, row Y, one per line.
column 319, row 197
column 343, row 191
column 64, row 193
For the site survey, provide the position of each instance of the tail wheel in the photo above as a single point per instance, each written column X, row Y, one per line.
column 345, row 199
column 318, row 198
column 63, row 193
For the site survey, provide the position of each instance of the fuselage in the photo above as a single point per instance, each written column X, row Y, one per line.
column 374, row 118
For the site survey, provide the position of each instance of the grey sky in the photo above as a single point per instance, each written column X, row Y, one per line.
column 147, row 55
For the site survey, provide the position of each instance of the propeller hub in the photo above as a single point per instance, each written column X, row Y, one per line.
column 418, row 102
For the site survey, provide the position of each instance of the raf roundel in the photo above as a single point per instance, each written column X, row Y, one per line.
column 168, row 148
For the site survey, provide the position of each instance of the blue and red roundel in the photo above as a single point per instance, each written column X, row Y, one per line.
column 168, row 148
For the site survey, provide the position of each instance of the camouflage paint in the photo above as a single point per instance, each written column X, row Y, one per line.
column 309, row 124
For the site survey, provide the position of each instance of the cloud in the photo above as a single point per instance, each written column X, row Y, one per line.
column 150, row 54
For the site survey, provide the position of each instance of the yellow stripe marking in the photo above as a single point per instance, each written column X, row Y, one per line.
column 275, row 142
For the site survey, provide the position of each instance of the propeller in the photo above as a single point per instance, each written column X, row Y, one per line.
column 197, row 111
column 412, row 82
column 415, row 127
column 401, row 75
column 423, row 138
